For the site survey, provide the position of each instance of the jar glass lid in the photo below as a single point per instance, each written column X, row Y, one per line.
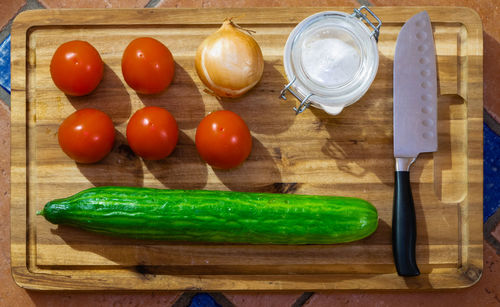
column 327, row 54
column 331, row 58
column 328, row 57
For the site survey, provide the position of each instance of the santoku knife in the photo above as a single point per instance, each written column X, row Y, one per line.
column 415, row 128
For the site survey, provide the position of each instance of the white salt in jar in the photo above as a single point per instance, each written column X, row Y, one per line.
column 331, row 59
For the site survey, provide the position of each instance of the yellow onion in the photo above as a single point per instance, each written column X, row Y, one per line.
column 229, row 62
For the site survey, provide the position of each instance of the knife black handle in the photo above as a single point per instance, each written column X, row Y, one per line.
column 404, row 230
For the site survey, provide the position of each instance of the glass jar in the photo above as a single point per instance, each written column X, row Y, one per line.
column 331, row 59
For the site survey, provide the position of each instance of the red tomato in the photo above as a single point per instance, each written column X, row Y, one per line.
column 152, row 133
column 87, row 135
column 147, row 65
column 223, row 139
column 76, row 68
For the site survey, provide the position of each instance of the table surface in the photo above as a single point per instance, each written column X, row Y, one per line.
column 485, row 292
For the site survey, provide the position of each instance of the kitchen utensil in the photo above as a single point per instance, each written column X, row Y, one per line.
column 415, row 132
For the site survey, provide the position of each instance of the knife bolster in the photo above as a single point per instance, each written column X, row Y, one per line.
column 403, row 164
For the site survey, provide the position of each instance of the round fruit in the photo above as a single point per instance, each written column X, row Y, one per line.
column 76, row 68
column 152, row 133
column 223, row 139
column 147, row 65
column 87, row 135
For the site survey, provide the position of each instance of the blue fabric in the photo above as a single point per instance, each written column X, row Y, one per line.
column 5, row 64
column 203, row 300
column 491, row 172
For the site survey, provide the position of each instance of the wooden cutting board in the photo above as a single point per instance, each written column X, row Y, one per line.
column 312, row 153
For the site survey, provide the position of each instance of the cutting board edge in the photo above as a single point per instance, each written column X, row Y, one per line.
column 133, row 281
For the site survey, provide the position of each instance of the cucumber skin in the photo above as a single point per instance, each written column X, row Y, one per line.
column 215, row 216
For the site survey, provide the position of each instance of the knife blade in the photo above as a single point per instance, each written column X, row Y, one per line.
column 415, row 128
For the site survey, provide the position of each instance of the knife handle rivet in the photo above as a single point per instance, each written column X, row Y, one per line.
column 421, row 35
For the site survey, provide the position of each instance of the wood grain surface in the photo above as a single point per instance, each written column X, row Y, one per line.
column 313, row 153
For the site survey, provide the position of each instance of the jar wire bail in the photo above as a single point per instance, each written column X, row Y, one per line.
column 359, row 14
column 304, row 103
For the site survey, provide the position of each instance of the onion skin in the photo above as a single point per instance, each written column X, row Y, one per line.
column 229, row 62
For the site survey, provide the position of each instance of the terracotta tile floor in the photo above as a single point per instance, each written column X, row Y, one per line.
column 9, row 9
column 94, row 3
column 485, row 293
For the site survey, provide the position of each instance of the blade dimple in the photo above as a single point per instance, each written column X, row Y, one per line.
column 415, row 89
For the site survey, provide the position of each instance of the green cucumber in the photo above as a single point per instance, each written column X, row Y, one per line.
column 215, row 216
